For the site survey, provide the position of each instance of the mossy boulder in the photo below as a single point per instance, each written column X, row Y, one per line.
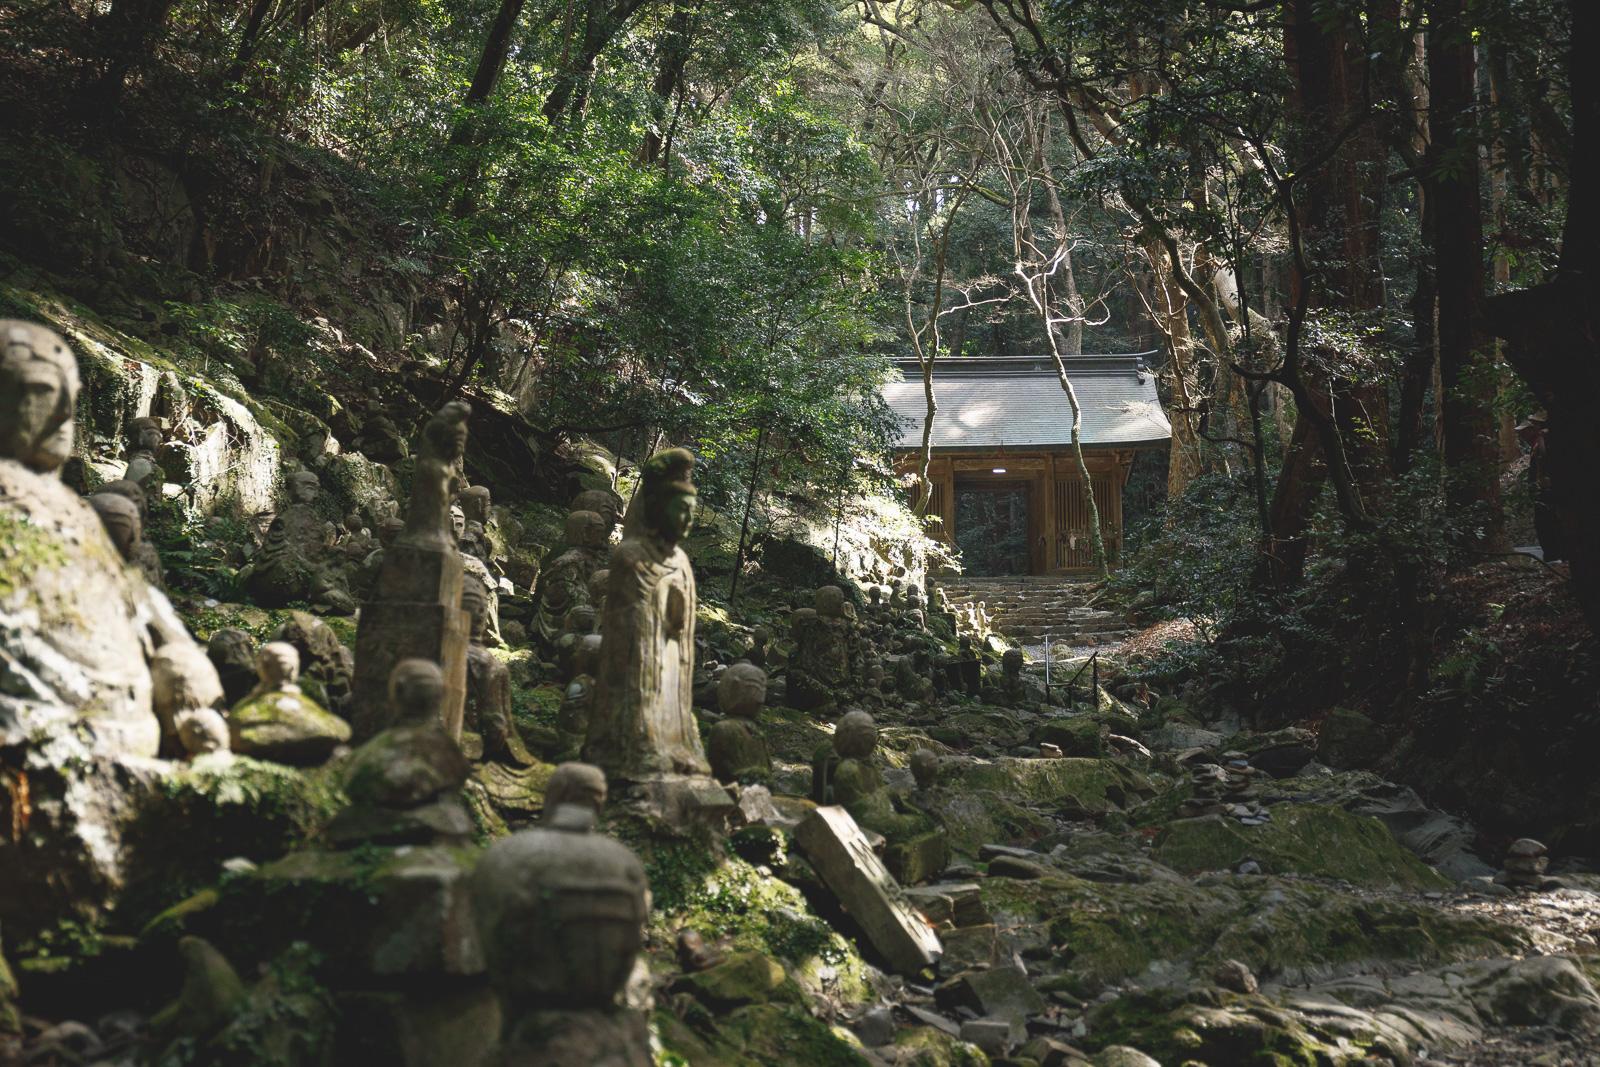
column 1348, row 739
column 1308, row 839
column 1078, row 735
column 743, row 978
column 725, row 898
column 761, row 1035
column 923, row 1046
column 1077, row 786
column 285, row 728
column 1108, row 932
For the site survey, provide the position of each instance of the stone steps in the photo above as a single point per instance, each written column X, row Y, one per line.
column 1026, row 608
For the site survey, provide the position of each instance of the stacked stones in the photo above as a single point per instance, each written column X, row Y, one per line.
column 1222, row 790
column 1525, row 864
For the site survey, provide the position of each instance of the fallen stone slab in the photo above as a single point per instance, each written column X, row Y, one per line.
column 845, row 862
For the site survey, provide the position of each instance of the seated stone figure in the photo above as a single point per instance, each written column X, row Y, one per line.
column 296, row 561
column 405, row 783
column 123, row 525
column 848, row 776
column 276, row 721
column 822, row 667
column 488, row 709
column 572, row 720
column 564, row 584
column 580, row 622
column 144, row 441
column 232, row 652
column 78, row 633
column 735, row 747
column 561, row 912
column 183, row 682
column 1013, row 688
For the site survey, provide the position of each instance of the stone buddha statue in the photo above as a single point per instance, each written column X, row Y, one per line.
column 643, row 724
column 488, row 707
column 735, row 746
column 296, row 561
column 577, row 701
column 126, row 530
column 79, row 635
column 561, row 912
column 564, row 584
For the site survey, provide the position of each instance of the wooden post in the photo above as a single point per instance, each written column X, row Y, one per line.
column 1052, row 521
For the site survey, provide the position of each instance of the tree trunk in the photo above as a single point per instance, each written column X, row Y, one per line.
column 1471, row 444
column 1553, row 331
column 672, row 56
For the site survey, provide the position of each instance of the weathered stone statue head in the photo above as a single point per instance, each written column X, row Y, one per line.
column 560, row 916
column 582, row 784
column 38, row 391
column 597, row 589
column 665, row 506
column 389, row 529
column 303, row 487
column 120, row 517
column 416, row 691
column 458, row 522
column 475, row 502
column 603, row 502
column 202, row 731
column 856, row 735
column 1011, row 663
column 925, row 767
column 278, row 667
column 353, row 524
column 830, row 602
column 144, row 435
column 875, row 595
column 586, row 657
column 918, row 620
column 586, row 529
column 127, row 488
column 742, row 691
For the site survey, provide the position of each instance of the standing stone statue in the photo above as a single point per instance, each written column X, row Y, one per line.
column 561, row 912
column 564, row 584
column 826, row 647
column 643, row 723
column 488, row 709
column 572, row 719
column 415, row 608
column 78, row 632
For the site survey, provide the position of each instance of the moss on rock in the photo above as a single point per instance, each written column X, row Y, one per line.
column 1306, row 839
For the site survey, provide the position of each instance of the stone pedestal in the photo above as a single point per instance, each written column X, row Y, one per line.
column 415, row 612
column 682, row 800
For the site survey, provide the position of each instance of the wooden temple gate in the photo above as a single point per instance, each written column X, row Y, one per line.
column 1059, row 528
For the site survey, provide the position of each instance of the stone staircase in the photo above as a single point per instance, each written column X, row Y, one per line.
column 1027, row 607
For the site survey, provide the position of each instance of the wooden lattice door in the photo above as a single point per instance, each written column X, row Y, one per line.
column 1074, row 545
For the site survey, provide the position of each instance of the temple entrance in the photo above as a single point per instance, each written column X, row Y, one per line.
column 992, row 527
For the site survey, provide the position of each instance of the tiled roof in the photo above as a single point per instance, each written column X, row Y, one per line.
column 1019, row 403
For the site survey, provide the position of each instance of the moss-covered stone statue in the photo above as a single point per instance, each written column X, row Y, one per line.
column 561, row 912
column 297, row 561
column 564, row 583
column 846, row 774
column 277, row 721
column 79, row 630
column 488, row 711
column 643, row 723
column 735, row 746
column 826, row 649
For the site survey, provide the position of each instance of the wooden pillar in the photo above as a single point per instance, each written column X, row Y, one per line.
column 1052, row 521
